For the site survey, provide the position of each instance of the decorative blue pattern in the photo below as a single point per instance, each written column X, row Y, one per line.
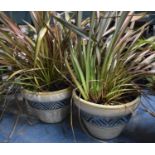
column 105, row 122
column 49, row 105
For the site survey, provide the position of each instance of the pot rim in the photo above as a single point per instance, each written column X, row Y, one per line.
column 26, row 91
column 129, row 104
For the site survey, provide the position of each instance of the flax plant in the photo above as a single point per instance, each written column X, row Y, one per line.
column 150, row 78
column 37, row 55
column 108, row 58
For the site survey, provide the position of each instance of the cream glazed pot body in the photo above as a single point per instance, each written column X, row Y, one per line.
column 49, row 107
column 105, row 121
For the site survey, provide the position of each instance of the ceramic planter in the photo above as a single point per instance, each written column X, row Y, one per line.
column 105, row 121
column 49, row 107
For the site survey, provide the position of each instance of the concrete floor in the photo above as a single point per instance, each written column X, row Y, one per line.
column 141, row 128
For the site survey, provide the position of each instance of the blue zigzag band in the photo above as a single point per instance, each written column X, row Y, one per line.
column 49, row 105
column 105, row 122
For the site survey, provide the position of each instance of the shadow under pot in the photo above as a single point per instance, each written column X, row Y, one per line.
column 105, row 121
column 49, row 107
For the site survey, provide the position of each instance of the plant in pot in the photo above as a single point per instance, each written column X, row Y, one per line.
column 104, row 65
column 37, row 58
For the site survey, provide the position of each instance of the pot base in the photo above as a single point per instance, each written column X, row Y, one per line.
column 104, row 128
column 49, row 116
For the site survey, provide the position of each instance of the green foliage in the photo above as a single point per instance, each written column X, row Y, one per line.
column 36, row 56
column 150, row 78
column 107, row 59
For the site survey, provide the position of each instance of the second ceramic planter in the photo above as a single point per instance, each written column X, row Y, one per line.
column 105, row 121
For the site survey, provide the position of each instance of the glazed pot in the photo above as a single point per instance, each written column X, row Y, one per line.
column 49, row 107
column 104, row 121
